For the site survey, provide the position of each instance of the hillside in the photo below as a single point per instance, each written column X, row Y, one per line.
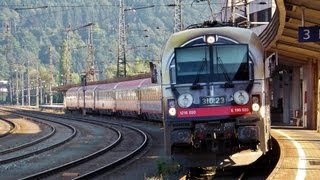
column 29, row 28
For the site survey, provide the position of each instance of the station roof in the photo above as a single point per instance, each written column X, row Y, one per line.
column 281, row 35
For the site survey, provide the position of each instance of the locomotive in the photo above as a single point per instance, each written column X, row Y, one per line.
column 211, row 96
column 215, row 102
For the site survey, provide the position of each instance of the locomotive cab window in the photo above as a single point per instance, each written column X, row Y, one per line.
column 192, row 62
column 230, row 62
column 219, row 63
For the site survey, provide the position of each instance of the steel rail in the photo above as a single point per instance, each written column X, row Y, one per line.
column 36, row 141
column 104, row 168
column 29, row 154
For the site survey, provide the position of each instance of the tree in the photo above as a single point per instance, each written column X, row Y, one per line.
column 64, row 63
column 139, row 66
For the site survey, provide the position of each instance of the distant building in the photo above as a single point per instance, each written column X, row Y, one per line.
column 3, row 86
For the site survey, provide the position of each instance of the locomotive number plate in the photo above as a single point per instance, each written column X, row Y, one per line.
column 213, row 100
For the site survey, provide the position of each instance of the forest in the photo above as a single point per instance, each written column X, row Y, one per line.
column 33, row 32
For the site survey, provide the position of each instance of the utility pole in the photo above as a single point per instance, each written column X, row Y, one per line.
column 28, row 83
column 22, row 85
column 37, row 85
column 247, row 13
column 121, row 63
column 177, row 16
column 233, row 13
column 41, row 91
column 7, row 59
column 89, row 62
column 17, row 85
column 90, row 70
column 51, row 75
column 84, row 84
column 67, row 74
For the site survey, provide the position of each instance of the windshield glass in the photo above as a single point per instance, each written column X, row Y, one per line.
column 230, row 61
column 192, row 61
column 214, row 63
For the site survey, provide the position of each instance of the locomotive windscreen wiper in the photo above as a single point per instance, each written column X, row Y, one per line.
column 195, row 84
column 229, row 82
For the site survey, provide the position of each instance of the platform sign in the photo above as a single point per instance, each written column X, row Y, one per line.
column 309, row 34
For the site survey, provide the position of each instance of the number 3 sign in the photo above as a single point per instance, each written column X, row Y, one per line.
column 309, row 34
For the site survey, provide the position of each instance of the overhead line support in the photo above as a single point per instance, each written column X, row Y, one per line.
column 121, row 62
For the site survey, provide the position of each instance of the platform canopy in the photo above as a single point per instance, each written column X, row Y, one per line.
column 282, row 33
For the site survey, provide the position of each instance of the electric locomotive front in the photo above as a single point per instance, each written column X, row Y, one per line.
column 214, row 100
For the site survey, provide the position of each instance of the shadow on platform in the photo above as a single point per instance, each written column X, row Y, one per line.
column 277, row 122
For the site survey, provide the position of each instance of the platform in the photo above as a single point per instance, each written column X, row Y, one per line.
column 300, row 153
column 59, row 106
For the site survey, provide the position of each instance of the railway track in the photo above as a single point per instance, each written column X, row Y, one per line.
column 6, row 127
column 30, row 143
column 34, row 147
column 100, row 161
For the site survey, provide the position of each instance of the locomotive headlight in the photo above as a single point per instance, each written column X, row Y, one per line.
column 185, row 100
column 172, row 111
column 255, row 107
column 241, row 97
column 255, row 102
column 172, row 107
column 210, row 39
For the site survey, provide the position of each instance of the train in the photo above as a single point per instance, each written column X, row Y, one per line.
column 134, row 98
column 210, row 92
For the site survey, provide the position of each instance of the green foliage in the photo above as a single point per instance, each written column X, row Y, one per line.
column 111, row 71
column 139, row 66
column 64, row 63
column 165, row 168
column 32, row 30
column 75, row 78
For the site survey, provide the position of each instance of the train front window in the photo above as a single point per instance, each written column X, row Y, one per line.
column 214, row 63
column 230, row 62
column 191, row 63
